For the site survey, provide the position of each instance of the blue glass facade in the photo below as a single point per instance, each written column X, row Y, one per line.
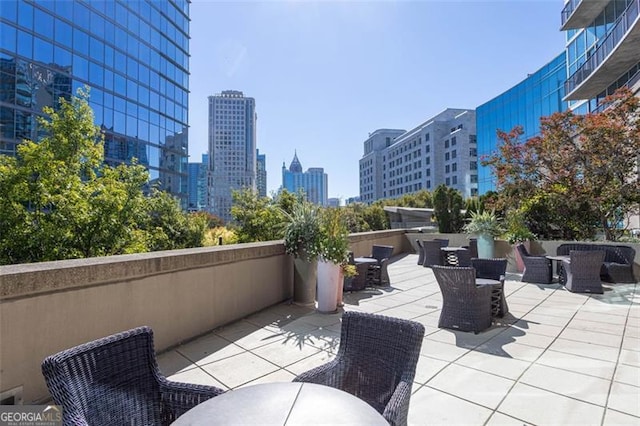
column 539, row 95
column 314, row 182
column 198, row 173
column 134, row 55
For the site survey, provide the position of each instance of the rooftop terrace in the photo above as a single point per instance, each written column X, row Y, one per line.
column 557, row 358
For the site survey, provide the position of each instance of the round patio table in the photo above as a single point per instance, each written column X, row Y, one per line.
column 283, row 404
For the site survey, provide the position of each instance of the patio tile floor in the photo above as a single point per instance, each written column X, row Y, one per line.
column 557, row 358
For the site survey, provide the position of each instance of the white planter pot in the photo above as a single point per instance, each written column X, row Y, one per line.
column 328, row 284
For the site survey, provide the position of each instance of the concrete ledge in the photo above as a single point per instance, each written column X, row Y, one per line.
column 36, row 278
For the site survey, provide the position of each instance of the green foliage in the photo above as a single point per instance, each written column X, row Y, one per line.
column 58, row 200
column 257, row 218
column 516, row 228
column 576, row 177
column 484, row 223
column 303, row 231
column 447, row 205
column 212, row 236
column 334, row 244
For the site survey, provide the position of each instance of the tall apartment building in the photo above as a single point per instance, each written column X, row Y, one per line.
column 261, row 174
column 133, row 55
column 539, row 95
column 232, row 149
column 442, row 150
column 314, row 182
column 603, row 50
column 198, row 173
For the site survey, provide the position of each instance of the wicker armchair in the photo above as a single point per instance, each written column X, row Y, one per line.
column 583, row 271
column 432, row 254
column 465, row 306
column 382, row 254
column 115, row 381
column 420, row 251
column 537, row 269
column 376, row 362
column 493, row 269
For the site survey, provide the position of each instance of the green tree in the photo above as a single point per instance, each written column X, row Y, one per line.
column 58, row 200
column 447, row 206
column 257, row 218
column 583, row 168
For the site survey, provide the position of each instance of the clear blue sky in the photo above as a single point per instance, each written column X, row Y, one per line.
column 326, row 74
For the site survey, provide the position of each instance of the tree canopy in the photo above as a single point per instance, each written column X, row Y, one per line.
column 59, row 200
column 579, row 175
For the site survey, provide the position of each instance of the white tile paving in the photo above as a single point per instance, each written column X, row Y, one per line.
column 557, row 358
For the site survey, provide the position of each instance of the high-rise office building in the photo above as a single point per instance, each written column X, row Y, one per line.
column 261, row 174
column 134, row 56
column 442, row 150
column 232, row 149
column 198, row 173
column 603, row 50
column 371, row 175
column 538, row 95
column 313, row 182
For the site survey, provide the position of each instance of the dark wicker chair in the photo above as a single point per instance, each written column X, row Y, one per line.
column 583, row 271
column 473, row 247
column 115, row 381
column 537, row 269
column 457, row 257
column 420, row 251
column 432, row 253
column 465, row 306
column 376, row 362
column 382, row 254
column 444, row 242
column 493, row 269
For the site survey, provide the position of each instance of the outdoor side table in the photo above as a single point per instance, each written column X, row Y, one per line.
column 370, row 264
column 283, row 403
column 496, row 293
column 559, row 269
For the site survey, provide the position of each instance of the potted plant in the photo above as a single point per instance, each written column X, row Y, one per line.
column 516, row 233
column 334, row 253
column 302, row 238
column 486, row 226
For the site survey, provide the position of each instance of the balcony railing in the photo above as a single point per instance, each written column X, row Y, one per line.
column 568, row 9
column 615, row 36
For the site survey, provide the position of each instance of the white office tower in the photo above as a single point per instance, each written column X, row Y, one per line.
column 232, row 149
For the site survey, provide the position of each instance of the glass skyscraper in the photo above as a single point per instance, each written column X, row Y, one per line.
column 134, row 56
column 314, row 182
column 539, row 95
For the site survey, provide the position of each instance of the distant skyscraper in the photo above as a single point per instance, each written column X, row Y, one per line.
column 333, row 202
column 198, row 184
column 232, row 149
column 261, row 174
column 538, row 95
column 313, row 182
column 134, row 55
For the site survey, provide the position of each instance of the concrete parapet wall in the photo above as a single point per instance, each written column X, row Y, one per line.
column 181, row 294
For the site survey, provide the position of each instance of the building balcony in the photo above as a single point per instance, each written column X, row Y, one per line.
column 618, row 52
column 581, row 13
column 221, row 317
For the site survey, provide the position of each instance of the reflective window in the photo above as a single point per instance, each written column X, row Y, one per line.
column 9, row 10
column 132, row 90
column 120, row 85
column 42, row 51
column 45, row 23
column 108, row 80
column 96, row 50
column 80, row 67
column 25, row 44
column 97, row 25
column 25, row 15
column 80, row 41
column 96, row 74
column 8, row 39
column 65, row 9
column 132, row 68
column 108, row 56
column 63, row 33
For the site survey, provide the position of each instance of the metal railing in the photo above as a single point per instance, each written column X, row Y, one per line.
column 568, row 10
column 620, row 29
